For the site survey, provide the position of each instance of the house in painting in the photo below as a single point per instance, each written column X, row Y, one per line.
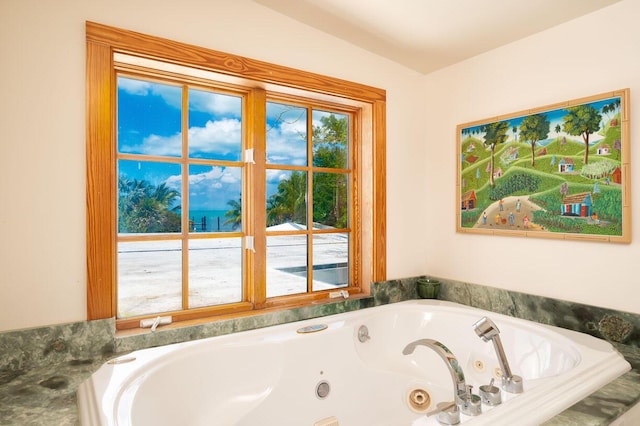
column 603, row 149
column 616, row 175
column 542, row 152
column 469, row 200
column 566, row 165
column 498, row 173
column 577, row 205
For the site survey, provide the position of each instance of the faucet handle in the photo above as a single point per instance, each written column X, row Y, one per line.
column 448, row 413
column 469, row 391
column 490, row 394
column 471, row 404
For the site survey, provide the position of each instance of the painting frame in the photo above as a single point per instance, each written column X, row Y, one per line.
column 528, row 173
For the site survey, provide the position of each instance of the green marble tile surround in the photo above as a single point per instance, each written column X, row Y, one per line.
column 613, row 326
column 217, row 328
column 22, row 350
column 41, row 368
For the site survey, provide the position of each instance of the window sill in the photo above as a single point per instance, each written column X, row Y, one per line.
column 240, row 321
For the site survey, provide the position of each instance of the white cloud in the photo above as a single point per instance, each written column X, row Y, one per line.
column 213, row 188
column 215, row 103
column 172, row 95
column 159, row 145
column 174, row 182
column 286, row 145
column 134, row 87
column 275, row 176
column 212, row 175
column 217, row 137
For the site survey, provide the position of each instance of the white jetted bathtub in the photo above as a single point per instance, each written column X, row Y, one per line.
column 330, row 371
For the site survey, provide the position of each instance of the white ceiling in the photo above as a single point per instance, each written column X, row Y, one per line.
column 426, row 35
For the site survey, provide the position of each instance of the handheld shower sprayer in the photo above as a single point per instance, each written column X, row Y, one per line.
column 488, row 331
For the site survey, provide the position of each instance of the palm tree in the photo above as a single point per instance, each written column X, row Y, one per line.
column 235, row 214
column 289, row 204
column 144, row 208
column 165, row 196
column 330, row 190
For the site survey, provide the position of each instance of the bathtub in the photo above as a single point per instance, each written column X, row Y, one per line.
column 330, row 371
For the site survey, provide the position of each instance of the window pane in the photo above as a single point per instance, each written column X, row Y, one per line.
column 330, row 261
column 330, row 139
column 215, row 203
column 331, row 200
column 215, row 126
column 149, row 118
column 148, row 197
column 286, row 265
column 286, row 134
column 149, row 277
column 287, row 198
column 215, row 271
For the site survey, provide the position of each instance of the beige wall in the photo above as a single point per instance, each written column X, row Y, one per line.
column 42, row 116
column 590, row 55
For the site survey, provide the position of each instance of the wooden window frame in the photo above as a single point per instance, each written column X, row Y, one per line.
column 104, row 41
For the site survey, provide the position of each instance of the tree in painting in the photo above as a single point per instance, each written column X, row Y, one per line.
column 582, row 120
column 495, row 134
column 534, row 128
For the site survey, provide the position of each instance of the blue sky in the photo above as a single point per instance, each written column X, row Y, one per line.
column 150, row 122
column 555, row 117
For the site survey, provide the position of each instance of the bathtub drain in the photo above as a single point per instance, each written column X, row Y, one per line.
column 322, row 389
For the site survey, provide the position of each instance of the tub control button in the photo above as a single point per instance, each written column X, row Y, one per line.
column 322, row 389
column 312, row 328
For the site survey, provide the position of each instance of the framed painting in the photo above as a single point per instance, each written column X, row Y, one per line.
column 561, row 171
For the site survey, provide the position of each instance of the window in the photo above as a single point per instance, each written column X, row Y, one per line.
column 217, row 184
column 308, row 180
column 179, row 149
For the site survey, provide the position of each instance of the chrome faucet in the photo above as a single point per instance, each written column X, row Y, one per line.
column 487, row 330
column 463, row 398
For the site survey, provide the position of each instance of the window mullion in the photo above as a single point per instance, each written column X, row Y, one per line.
column 310, row 200
column 256, row 199
column 185, row 197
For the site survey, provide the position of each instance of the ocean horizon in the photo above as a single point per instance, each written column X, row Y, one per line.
column 209, row 221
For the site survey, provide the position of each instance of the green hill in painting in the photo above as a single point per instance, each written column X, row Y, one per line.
column 557, row 173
